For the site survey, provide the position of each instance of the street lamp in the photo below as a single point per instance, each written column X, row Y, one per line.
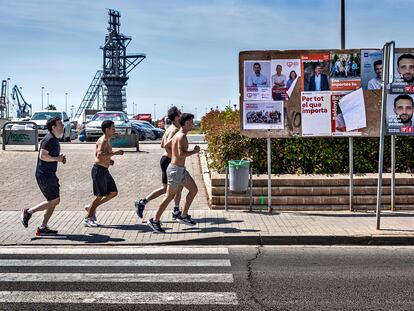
column 155, row 107
column 7, row 101
column 47, row 94
column 66, row 103
column 71, row 111
column 42, row 95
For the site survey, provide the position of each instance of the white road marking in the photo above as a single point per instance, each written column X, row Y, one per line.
column 141, row 250
column 115, row 263
column 182, row 298
column 119, row 277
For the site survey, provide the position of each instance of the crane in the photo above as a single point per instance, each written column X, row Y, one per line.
column 23, row 109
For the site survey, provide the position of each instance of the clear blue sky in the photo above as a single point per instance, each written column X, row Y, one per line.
column 192, row 46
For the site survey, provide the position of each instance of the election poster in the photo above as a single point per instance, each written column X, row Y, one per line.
column 257, row 82
column 263, row 115
column 316, row 113
column 284, row 75
column 399, row 114
column 348, row 113
column 345, row 72
column 403, row 74
column 371, row 69
column 315, row 72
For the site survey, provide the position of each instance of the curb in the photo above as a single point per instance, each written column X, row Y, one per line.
column 368, row 240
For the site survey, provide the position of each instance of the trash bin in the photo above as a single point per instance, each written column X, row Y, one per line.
column 239, row 175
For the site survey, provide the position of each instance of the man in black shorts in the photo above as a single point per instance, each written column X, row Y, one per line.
column 49, row 156
column 104, row 187
column 173, row 116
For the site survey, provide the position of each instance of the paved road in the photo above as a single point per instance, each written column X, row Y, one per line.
column 207, row 278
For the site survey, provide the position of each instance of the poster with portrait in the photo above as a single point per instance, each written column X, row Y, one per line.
column 284, row 75
column 345, row 71
column 340, row 126
column 263, row 115
column 315, row 72
column 257, row 82
column 371, row 69
column 316, row 113
column 403, row 73
column 399, row 114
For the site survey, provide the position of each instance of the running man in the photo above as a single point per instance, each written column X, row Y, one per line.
column 173, row 116
column 46, row 167
column 104, row 187
column 177, row 175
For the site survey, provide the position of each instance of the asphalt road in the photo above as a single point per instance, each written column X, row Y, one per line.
column 208, row 278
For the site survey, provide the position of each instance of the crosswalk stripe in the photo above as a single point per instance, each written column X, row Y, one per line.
column 144, row 250
column 119, row 277
column 182, row 298
column 115, row 263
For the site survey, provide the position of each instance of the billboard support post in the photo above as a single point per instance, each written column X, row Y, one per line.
column 388, row 52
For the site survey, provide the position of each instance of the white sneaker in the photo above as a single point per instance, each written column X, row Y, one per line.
column 88, row 222
column 87, row 210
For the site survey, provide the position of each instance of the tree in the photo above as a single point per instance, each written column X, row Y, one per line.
column 51, row 107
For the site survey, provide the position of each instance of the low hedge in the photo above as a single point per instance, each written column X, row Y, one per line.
column 298, row 155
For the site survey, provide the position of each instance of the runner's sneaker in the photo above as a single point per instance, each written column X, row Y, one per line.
column 139, row 208
column 175, row 214
column 88, row 222
column 186, row 220
column 155, row 225
column 45, row 231
column 25, row 217
column 87, row 207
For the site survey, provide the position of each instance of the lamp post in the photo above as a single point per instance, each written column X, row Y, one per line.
column 7, row 102
column 42, row 95
column 71, row 111
column 155, row 110
column 47, row 94
column 66, row 103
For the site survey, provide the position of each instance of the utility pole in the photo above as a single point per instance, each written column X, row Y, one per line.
column 47, row 94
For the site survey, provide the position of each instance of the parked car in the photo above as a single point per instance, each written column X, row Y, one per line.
column 143, row 132
column 157, row 131
column 41, row 117
column 93, row 128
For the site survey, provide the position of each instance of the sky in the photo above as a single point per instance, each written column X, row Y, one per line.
column 192, row 47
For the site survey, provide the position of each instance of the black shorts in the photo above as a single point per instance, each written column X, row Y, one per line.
column 164, row 162
column 103, row 183
column 49, row 185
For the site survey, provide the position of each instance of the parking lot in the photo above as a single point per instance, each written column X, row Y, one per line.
column 136, row 174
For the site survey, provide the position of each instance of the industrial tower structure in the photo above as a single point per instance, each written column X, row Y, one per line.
column 117, row 64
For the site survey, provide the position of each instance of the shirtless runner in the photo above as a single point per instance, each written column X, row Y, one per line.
column 177, row 175
column 173, row 116
column 104, row 187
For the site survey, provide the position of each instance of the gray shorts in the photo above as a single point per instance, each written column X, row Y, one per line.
column 176, row 175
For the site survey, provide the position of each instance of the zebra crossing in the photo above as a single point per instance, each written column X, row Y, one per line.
column 159, row 275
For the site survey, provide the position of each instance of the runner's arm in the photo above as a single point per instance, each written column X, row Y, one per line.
column 45, row 156
column 103, row 150
column 183, row 147
column 168, row 141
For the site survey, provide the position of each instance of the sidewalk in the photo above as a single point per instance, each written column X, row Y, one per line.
column 216, row 228
column 138, row 173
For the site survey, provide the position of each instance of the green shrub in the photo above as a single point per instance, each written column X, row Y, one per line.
column 298, row 155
